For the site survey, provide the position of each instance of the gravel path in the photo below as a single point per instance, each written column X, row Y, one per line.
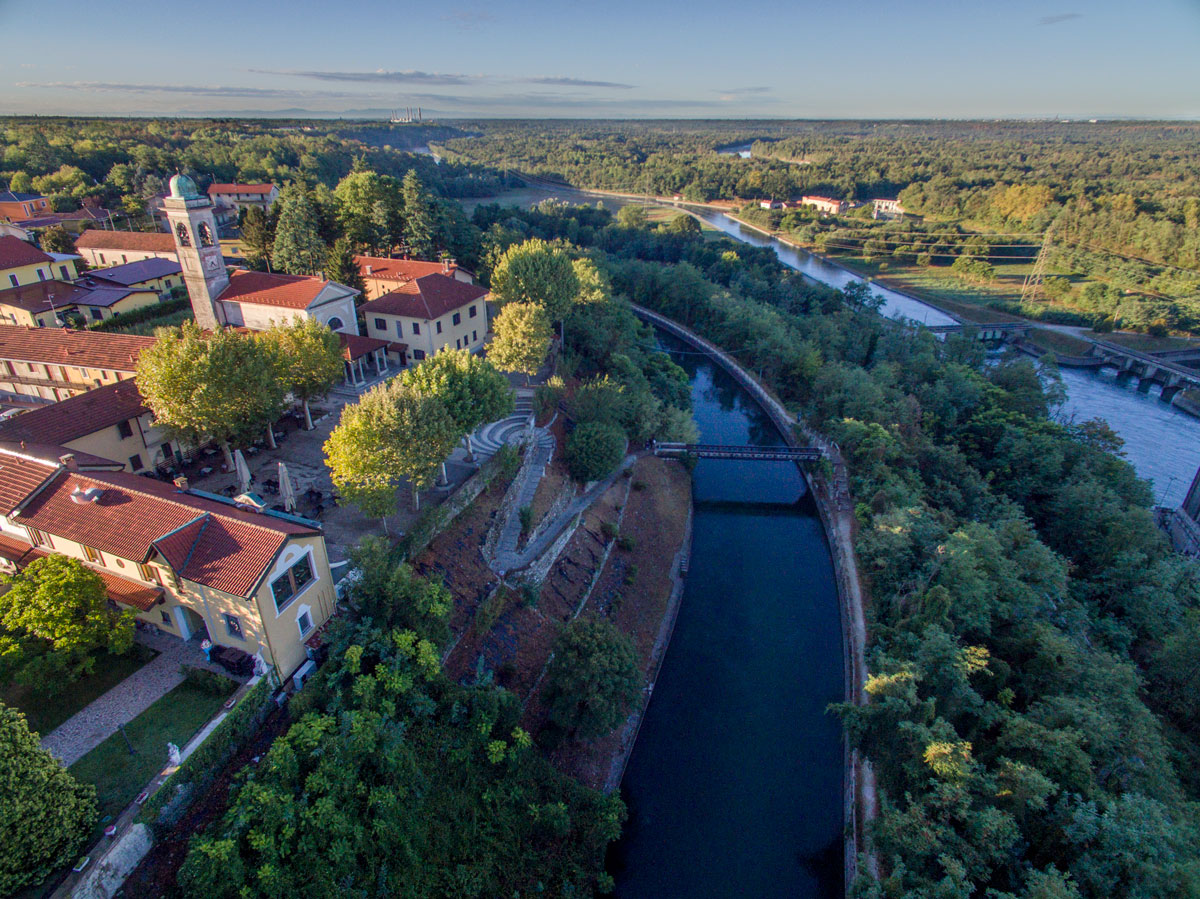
column 96, row 722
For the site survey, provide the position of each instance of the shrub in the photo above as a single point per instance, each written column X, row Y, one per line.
column 490, row 610
column 608, row 529
column 593, row 679
column 531, row 594
column 626, row 543
column 208, row 681
column 594, row 450
column 548, row 395
column 526, row 514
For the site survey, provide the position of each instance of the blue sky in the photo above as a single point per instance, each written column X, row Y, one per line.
column 621, row 58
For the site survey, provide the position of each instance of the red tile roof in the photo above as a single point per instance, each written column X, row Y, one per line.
column 43, row 296
column 129, row 592
column 427, row 297
column 138, row 241
column 230, row 553
column 19, row 477
column 240, row 188
column 14, row 550
column 387, row 269
column 14, row 253
column 64, row 346
column 355, row 346
column 60, row 423
column 264, row 289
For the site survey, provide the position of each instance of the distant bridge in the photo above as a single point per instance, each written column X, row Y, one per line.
column 1146, row 368
column 746, row 453
column 992, row 331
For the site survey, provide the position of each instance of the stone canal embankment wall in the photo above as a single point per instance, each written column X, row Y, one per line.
column 831, row 493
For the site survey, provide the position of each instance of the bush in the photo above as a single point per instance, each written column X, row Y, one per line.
column 594, row 450
column 531, row 594
column 626, row 543
column 548, row 395
column 145, row 314
column 593, row 678
column 208, row 681
column 608, row 529
column 490, row 610
column 526, row 514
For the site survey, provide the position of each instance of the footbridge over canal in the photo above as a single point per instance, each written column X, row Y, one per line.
column 744, row 453
column 1148, row 369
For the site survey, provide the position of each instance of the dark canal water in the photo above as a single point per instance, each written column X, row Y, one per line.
column 735, row 783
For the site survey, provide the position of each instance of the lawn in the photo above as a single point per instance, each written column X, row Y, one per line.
column 1145, row 343
column 1058, row 342
column 175, row 718
column 46, row 712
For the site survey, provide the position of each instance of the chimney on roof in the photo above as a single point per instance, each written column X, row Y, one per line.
column 182, row 483
column 445, row 264
column 370, row 269
column 68, row 461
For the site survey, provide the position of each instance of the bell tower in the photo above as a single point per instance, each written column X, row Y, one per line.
column 195, row 230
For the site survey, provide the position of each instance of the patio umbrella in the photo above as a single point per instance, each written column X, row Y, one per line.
column 286, row 493
column 243, row 471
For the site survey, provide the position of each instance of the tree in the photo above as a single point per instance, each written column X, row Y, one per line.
column 594, row 449
column 57, row 239
column 308, row 360
column 258, row 233
column 536, row 273
column 342, row 268
column 55, row 617
column 420, row 223
column 522, row 339
column 685, row 224
column 593, row 679
column 298, row 248
column 391, row 433
column 470, row 388
column 632, row 216
column 369, row 208
column 223, row 386
column 394, row 596
column 45, row 814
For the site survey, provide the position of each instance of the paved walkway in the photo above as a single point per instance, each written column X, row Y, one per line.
column 97, row 721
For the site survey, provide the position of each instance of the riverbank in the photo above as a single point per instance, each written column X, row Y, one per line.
column 830, row 489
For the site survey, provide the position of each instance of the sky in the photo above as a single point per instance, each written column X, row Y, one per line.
column 617, row 59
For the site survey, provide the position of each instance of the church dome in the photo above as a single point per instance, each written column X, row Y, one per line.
column 184, row 187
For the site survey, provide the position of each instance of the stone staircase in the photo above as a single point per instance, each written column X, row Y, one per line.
column 512, row 430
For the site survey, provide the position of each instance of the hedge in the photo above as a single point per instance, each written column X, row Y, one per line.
column 144, row 314
column 200, row 769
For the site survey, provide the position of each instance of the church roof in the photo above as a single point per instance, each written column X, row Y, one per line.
column 266, row 289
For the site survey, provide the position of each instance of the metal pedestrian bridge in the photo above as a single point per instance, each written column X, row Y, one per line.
column 746, row 453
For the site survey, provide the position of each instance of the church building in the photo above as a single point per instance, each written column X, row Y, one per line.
column 240, row 298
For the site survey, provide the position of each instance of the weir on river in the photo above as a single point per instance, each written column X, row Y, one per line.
column 735, row 782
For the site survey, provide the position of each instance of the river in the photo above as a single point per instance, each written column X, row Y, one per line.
column 735, row 783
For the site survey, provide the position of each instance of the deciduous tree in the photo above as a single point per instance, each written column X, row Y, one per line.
column 470, row 388
column 45, row 814
column 593, row 679
column 308, row 360
column 536, row 273
column 522, row 339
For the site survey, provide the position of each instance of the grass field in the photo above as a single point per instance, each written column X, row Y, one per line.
column 119, row 776
column 1058, row 342
column 1144, row 343
column 44, row 711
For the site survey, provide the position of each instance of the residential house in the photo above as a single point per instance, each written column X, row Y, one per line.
column 241, row 196
column 101, row 248
column 382, row 275
column 23, row 263
column 427, row 314
column 191, row 564
column 110, row 422
column 17, row 207
column 825, row 205
column 770, row 204
column 54, row 364
column 154, row 273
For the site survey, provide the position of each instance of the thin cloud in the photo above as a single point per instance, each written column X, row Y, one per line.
column 740, row 91
column 379, row 76
column 575, row 82
column 1060, row 18
column 203, row 90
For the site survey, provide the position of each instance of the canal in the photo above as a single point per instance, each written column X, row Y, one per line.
column 735, row 783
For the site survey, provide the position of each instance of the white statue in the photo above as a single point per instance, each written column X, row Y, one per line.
column 173, row 756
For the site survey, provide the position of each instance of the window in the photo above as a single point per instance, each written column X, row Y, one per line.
column 418, row 355
column 471, row 312
column 13, row 280
column 439, row 327
column 97, row 314
column 93, row 555
column 65, row 275
column 124, row 430
column 416, row 328
column 166, row 617
column 399, row 329
column 148, row 573
column 39, row 538
column 41, row 274
column 101, row 258
column 474, row 336
column 135, row 462
column 124, row 258
column 458, row 318
column 285, row 587
column 233, row 626
column 335, row 324
column 304, row 622
column 458, row 343
column 380, row 324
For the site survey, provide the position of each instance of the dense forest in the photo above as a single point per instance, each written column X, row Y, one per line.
column 1034, row 639
column 1119, row 201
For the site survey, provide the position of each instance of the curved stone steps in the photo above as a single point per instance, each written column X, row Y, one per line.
column 507, row 432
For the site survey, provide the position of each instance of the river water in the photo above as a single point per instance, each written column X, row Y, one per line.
column 735, row 783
